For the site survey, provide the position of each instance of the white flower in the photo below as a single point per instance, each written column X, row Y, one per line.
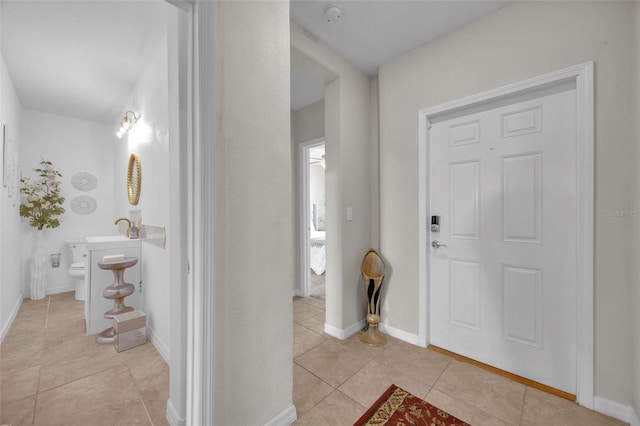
column 30, row 205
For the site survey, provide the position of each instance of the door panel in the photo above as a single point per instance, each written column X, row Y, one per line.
column 502, row 286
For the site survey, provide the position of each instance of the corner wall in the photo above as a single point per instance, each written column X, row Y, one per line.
column 348, row 174
column 634, row 300
column 522, row 40
column 10, row 224
column 253, row 224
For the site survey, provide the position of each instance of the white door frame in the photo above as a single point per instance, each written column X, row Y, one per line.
column 303, row 211
column 582, row 74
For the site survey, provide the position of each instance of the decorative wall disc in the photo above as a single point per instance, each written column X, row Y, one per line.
column 84, row 181
column 84, row 204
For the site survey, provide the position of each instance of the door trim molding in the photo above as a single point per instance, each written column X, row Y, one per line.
column 583, row 75
column 303, row 211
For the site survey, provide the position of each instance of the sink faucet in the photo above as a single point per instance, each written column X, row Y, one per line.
column 128, row 224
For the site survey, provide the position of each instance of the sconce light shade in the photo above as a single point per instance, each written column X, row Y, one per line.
column 130, row 118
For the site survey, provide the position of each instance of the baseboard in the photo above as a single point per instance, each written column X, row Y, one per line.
column 14, row 312
column 634, row 420
column 59, row 290
column 626, row 413
column 159, row 344
column 414, row 339
column 172, row 415
column 343, row 333
column 286, row 418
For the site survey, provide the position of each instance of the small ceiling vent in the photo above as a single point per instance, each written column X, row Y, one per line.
column 333, row 14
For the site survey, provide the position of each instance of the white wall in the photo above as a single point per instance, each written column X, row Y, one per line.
column 73, row 145
column 10, row 228
column 349, row 170
column 253, row 266
column 149, row 138
column 522, row 40
column 634, row 300
column 317, row 194
column 307, row 124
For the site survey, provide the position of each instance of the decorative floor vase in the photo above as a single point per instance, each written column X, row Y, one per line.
column 372, row 270
column 39, row 268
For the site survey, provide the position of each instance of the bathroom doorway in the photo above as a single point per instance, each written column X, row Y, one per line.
column 313, row 208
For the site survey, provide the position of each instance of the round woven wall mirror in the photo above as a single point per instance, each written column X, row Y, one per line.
column 134, row 178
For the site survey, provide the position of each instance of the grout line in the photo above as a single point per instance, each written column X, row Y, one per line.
column 135, row 385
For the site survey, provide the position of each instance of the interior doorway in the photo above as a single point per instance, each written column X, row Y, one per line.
column 313, row 218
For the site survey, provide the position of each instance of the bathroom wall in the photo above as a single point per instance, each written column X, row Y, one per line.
column 149, row 138
column 73, row 145
column 10, row 228
column 522, row 40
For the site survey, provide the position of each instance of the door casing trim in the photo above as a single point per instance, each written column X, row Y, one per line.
column 583, row 75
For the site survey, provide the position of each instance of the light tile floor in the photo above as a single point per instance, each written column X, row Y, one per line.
column 335, row 381
column 51, row 373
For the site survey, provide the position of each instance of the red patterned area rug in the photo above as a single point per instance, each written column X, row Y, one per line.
column 398, row 407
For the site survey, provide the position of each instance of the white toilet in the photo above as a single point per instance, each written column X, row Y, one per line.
column 78, row 265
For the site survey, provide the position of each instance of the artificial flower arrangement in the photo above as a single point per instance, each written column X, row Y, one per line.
column 43, row 200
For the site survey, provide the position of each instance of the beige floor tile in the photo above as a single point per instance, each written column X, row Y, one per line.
column 463, row 411
column 318, row 303
column 493, row 394
column 366, row 386
column 21, row 351
column 541, row 408
column 106, row 398
column 335, row 409
column 88, row 360
column 303, row 311
column 333, row 362
column 17, row 384
column 62, row 297
column 64, row 310
column 305, row 340
column 359, row 349
column 18, row 413
column 308, row 390
column 422, row 364
column 315, row 323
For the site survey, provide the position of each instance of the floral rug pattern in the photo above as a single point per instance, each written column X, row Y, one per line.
column 397, row 407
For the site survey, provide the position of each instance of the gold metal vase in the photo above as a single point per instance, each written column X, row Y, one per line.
column 372, row 270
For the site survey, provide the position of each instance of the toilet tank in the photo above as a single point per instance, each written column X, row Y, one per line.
column 78, row 250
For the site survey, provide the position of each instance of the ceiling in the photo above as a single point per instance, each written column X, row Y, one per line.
column 83, row 58
column 372, row 32
column 80, row 58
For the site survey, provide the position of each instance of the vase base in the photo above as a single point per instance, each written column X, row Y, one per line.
column 106, row 337
column 372, row 337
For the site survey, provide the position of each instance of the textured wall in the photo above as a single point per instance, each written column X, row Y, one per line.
column 253, row 223
column 522, row 40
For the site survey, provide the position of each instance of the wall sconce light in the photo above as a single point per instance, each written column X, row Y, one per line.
column 130, row 118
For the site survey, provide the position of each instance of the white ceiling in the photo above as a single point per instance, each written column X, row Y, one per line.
column 372, row 32
column 80, row 58
column 83, row 58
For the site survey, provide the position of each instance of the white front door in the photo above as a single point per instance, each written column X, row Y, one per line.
column 503, row 282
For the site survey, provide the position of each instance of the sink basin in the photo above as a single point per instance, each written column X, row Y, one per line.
column 107, row 239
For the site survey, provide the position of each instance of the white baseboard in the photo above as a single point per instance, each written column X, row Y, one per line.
column 634, row 420
column 12, row 316
column 286, row 418
column 626, row 413
column 343, row 333
column 59, row 290
column 159, row 344
column 172, row 416
column 414, row 339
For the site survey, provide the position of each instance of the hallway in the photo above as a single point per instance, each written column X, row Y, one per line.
column 335, row 381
